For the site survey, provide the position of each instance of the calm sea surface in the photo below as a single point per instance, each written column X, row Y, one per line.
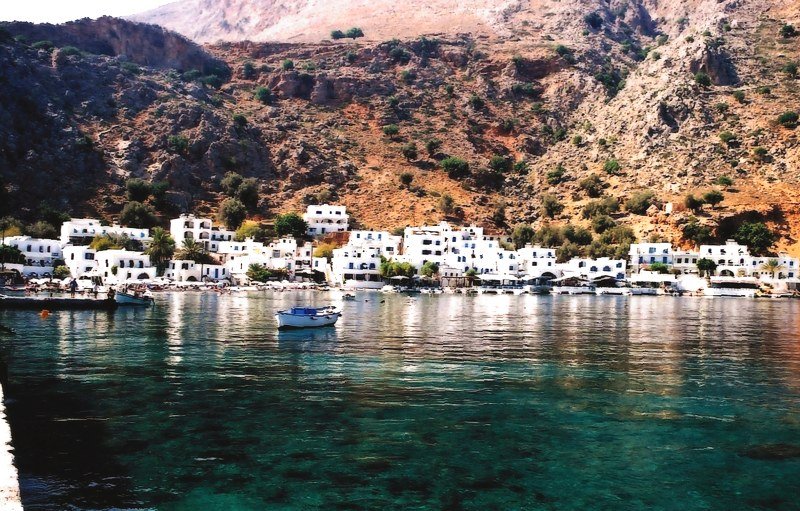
column 434, row 402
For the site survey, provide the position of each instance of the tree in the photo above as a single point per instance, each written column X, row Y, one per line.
column 567, row 251
column 290, row 224
column 136, row 214
column 260, row 273
column 193, row 251
column 551, row 206
column 61, row 272
column 161, row 249
column 337, row 34
column 476, row 102
column 693, row 203
column 728, row 138
column 697, row 232
column 248, row 70
column 429, row 269
column 354, row 33
column 250, row 229
column 659, row 268
column 409, row 151
column 556, row 175
column 522, row 235
column 639, row 202
column 446, row 204
column 325, row 250
column 13, row 255
column 706, row 267
column 713, row 197
column 594, row 20
column 104, row 242
column 724, row 181
column 756, row 235
column 389, row 268
column 406, row 178
column 604, row 206
column 287, row 64
column 739, row 96
column 247, row 193
column 232, row 213
column 239, row 121
column 772, row 266
column 455, row 167
column 137, row 189
column 42, row 230
column 230, row 183
column 790, row 69
column 578, row 235
column 602, row 223
column 264, row 95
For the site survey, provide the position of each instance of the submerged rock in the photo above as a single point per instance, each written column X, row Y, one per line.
column 773, row 452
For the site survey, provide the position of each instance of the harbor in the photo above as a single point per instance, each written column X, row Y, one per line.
column 579, row 401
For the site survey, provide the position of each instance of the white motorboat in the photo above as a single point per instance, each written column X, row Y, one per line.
column 745, row 287
column 307, row 317
column 134, row 298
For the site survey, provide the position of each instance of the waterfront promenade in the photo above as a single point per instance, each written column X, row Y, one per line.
column 9, row 483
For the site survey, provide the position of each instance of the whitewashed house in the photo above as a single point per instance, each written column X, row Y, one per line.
column 536, row 261
column 81, row 231
column 40, row 254
column 593, row 269
column 357, row 267
column 117, row 266
column 642, row 255
column 201, row 230
column 80, row 259
column 182, row 270
column 326, row 218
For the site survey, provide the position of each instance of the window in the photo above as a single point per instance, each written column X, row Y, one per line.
column 652, row 250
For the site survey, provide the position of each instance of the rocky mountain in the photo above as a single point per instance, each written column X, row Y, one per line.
column 553, row 105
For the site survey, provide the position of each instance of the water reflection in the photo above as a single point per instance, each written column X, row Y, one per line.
column 435, row 402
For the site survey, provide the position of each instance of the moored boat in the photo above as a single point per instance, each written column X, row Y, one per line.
column 307, row 317
column 135, row 298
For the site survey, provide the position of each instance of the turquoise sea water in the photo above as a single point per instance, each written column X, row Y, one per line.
column 434, row 402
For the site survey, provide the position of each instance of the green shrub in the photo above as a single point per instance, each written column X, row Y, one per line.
column 551, row 206
column 761, row 153
column 556, row 175
column 248, row 71
column 604, row 206
column 391, row 130
column 602, row 223
column 406, row 178
column 239, row 120
column 137, row 189
column 639, row 202
column 432, row 146
column 693, row 203
column 337, row 34
column 728, row 138
column 658, row 268
column 702, row 79
column 455, row 167
column 522, row 235
column 788, row 31
column 42, row 45
column 136, row 214
column 739, row 96
column 247, row 193
column 696, row 232
column 70, row 51
column 790, row 69
column 577, row 140
column 500, row 164
column 264, row 95
column 593, row 185
column 594, row 20
column 446, row 204
column 764, row 90
column 578, row 235
column 409, row 151
column 231, row 182
column 178, row 144
column 788, row 119
column 287, row 64
column 476, row 102
column 724, row 181
column 612, row 167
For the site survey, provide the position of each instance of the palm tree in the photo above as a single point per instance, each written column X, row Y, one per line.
column 773, row 266
column 161, row 248
column 194, row 251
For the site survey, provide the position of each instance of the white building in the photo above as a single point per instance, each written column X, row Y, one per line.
column 80, row 259
column 40, row 254
column 201, row 230
column 326, row 218
column 535, row 261
column 81, row 231
column 644, row 254
column 594, row 268
column 357, row 267
column 124, row 265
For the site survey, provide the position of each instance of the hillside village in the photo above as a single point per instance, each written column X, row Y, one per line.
column 321, row 248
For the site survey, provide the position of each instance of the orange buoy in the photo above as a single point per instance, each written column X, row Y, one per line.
column 44, row 314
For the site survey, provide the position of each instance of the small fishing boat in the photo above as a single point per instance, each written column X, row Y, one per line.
column 133, row 298
column 307, row 317
column 348, row 296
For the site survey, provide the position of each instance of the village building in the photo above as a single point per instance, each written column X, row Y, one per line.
column 326, row 218
column 201, row 230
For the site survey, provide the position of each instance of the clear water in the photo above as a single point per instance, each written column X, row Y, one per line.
column 435, row 402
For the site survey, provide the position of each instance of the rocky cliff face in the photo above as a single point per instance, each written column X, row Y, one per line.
column 580, row 89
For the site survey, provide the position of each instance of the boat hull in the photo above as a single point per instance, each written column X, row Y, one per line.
column 128, row 299
column 286, row 320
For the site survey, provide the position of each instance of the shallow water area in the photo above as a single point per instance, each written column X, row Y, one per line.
column 431, row 402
